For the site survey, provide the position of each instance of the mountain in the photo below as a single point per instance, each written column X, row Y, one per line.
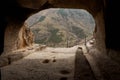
column 61, row 27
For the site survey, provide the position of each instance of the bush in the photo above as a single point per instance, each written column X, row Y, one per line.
column 42, row 18
column 54, row 38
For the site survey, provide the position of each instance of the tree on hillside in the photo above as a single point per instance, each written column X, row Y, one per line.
column 54, row 38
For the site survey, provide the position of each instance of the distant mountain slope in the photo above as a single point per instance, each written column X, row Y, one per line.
column 61, row 27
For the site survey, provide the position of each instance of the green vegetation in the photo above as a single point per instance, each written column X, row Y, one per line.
column 62, row 12
column 42, row 41
column 35, row 30
column 51, row 40
column 78, row 32
column 54, row 38
column 42, row 18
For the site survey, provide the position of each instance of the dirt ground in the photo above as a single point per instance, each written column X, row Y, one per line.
column 74, row 63
column 49, row 64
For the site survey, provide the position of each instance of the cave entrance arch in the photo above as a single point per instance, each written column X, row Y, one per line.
column 23, row 11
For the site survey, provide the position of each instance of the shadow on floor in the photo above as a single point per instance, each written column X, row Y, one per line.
column 82, row 68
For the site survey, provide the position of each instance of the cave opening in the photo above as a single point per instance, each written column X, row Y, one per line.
column 61, row 27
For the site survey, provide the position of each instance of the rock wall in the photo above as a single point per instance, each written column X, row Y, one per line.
column 99, row 33
column 25, row 37
column 2, row 30
column 17, row 36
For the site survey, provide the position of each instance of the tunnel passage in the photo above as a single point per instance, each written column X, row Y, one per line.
column 18, row 14
column 112, row 17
